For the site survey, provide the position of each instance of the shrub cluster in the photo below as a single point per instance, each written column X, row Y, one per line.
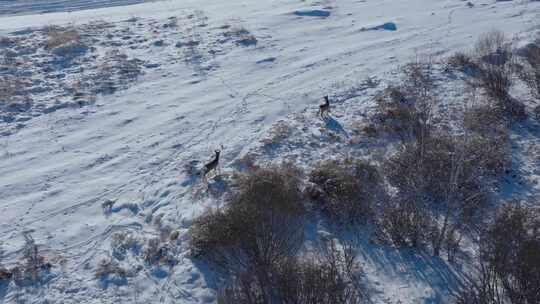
column 509, row 260
column 346, row 191
column 34, row 267
column 255, row 241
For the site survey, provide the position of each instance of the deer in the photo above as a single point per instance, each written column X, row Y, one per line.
column 324, row 108
column 212, row 165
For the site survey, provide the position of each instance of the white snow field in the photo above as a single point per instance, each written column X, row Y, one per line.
column 206, row 75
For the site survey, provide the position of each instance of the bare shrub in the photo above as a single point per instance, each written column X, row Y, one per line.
column 122, row 242
column 406, row 223
column 331, row 277
column 509, row 260
column 155, row 252
column 5, row 274
column 109, row 271
column 530, row 74
column 34, row 265
column 241, row 36
column 461, row 62
column 495, row 80
column 348, row 190
column 261, row 226
column 406, row 109
column 7, row 41
column 65, row 42
column 486, row 120
column 493, row 43
column 537, row 112
column 440, row 188
column 496, row 67
column 489, row 155
column 277, row 134
column 57, row 36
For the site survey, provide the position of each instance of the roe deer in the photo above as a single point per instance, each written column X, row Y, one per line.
column 324, row 108
column 211, row 165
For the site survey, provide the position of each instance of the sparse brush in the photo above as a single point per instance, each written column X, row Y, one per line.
column 331, row 277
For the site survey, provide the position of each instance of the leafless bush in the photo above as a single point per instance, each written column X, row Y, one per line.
column 346, row 191
column 5, row 274
column 331, row 277
column 406, row 109
column 495, row 80
column 65, row 42
column 537, row 112
column 406, row 223
column 530, row 74
column 496, row 67
column 461, row 62
column 261, row 226
column 493, row 47
column 489, row 155
column 241, row 36
column 58, row 36
column 486, row 120
column 122, row 242
column 509, row 260
column 7, row 41
column 156, row 252
column 109, row 271
column 440, row 187
column 34, row 265
column 278, row 133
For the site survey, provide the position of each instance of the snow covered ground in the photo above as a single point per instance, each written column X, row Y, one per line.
column 211, row 74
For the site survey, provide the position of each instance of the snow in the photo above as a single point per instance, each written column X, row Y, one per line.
column 206, row 84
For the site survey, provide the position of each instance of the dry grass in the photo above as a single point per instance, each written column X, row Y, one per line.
column 57, row 36
column 278, row 134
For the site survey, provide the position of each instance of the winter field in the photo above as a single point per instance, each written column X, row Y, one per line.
column 109, row 109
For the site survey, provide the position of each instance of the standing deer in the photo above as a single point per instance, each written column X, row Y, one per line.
column 212, row 165
column 324, row 108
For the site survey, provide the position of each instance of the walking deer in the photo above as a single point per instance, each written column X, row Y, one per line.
column 324, row 108
column 212, row 165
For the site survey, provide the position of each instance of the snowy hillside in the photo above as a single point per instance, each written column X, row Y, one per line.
column 103, row 133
